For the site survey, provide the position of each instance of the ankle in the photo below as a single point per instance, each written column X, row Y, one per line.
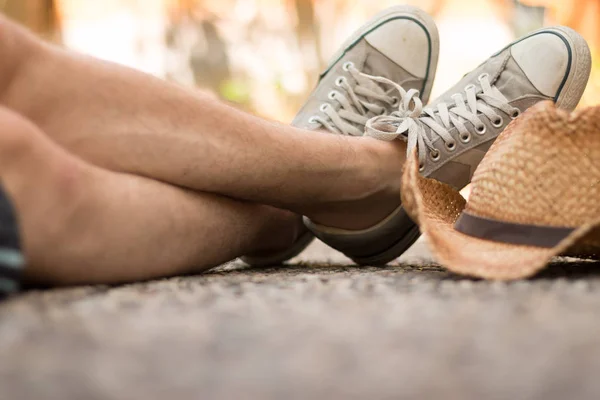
column 380, row 170
column 390, row 159
column 377, row 189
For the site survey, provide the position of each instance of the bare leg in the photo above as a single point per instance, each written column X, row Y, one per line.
column 130, row 122
column 83, row 224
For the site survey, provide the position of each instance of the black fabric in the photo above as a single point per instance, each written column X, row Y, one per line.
column 508, row 232
column 10, row 248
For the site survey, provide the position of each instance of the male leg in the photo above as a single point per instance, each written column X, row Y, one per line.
column 83, row 224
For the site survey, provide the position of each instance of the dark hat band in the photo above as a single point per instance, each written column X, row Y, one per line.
column 511, row 233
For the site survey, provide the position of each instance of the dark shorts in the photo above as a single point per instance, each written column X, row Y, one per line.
column 11, row 258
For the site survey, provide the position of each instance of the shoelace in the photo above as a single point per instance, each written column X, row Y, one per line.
column 357, row 103
column 421, row 127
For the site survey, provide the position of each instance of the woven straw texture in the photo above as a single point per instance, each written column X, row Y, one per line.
column 543, row 170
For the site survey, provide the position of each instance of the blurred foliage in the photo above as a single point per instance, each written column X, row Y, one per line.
column 307, row 32
column 584, row 17
column 266, row 55
column 39, row 15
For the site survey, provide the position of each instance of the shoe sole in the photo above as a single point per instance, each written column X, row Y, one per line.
column 393, row 252
column 570, row 93
column 280, row 258
column 391, row 13
column 575, row 83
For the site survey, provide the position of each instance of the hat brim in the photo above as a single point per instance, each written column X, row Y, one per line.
column 436, row 206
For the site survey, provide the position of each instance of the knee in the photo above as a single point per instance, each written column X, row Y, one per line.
column 17, row 135
column 26, row 153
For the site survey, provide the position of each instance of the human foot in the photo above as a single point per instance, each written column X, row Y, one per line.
column 452, row 135
column 400, row 44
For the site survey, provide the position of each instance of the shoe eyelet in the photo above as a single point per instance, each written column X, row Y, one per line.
column 331, row 95
column 323, row 107
column 395, row 101
column 481, row 129
column 383, row 111
column 340, row 81
column 435, row 156
column 451, row 146
column 466, row 138
column 312, row 120
column 515, row 114
column 498, row 123
column 421, row 167
column 347, row 65
column 483, row 76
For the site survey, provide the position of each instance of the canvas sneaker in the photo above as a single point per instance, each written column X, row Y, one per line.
column 451, row 135
column 399, row 47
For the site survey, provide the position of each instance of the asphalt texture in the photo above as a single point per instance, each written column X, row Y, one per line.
column 318, row 329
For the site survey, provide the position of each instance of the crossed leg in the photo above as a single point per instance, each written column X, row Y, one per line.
column 145, row 131
column 84, row 224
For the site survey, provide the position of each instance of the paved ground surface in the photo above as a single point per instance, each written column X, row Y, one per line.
column 313, row 331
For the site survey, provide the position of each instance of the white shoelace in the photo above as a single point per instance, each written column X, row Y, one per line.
column 421, row 127
column 357, row 103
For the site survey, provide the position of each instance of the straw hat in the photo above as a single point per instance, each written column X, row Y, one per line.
column 535, row 195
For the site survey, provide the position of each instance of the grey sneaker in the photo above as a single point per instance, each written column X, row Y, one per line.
column 400, row 44
column 451, row 135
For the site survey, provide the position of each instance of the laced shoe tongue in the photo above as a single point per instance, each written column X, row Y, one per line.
column 498, row 94
column 422, row 129
column 371, row 85
column 364, row 83
column 495, row 92
column 360, row 97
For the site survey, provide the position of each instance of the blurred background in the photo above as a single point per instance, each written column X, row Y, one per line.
column 265, row 55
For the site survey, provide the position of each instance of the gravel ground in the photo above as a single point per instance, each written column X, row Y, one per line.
column 320, row 329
